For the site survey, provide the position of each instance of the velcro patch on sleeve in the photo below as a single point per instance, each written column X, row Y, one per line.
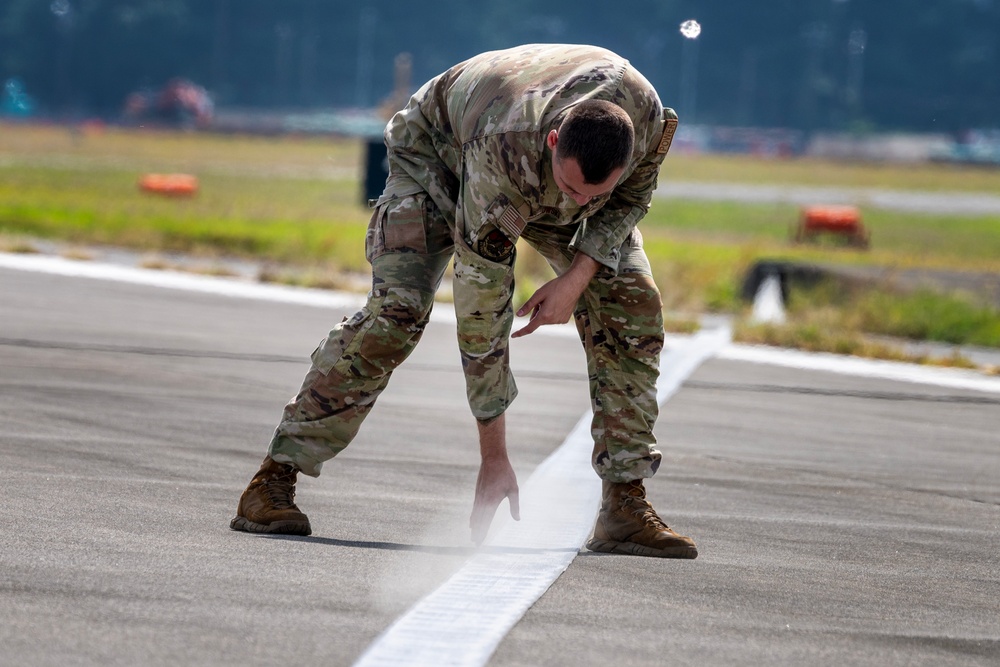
column 511, row 222
column 669, row 128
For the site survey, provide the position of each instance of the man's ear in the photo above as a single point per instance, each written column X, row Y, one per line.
column 552, row 139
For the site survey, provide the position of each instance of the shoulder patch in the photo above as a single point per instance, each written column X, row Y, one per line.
column 669, row 128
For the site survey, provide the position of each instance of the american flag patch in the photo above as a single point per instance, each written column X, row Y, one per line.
column 511, row 222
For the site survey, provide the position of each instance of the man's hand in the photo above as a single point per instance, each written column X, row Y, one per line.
column 555, row 301
column 496, row 480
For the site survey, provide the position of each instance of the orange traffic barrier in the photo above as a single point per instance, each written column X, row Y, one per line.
column 172, row 185
column 842, row 221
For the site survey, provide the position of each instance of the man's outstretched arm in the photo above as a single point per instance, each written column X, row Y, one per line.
column 496, row 478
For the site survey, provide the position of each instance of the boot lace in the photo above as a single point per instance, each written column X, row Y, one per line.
column 641, row 508
column 280, row 490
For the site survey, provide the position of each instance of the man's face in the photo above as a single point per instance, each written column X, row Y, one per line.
column 569, row 176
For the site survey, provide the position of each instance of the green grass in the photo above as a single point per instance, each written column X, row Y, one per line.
column 819, row 337
column 925, row 315
column 294, row 204
column 898, row 240
column 153, row 150
column 848, row 318
column 291, row 220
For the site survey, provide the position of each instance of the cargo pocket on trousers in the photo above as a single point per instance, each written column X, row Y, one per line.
column 399, row 225
column 342, row 343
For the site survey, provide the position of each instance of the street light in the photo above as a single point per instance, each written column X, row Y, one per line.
column 689, row 69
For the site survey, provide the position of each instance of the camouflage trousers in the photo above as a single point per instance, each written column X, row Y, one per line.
column 410, row 244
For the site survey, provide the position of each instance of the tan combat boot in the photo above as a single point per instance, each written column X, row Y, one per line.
column 268, row 504
column 628, row 524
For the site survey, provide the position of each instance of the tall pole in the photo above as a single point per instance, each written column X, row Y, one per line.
column 689, row 70
column 856, row 43
column 64, row 13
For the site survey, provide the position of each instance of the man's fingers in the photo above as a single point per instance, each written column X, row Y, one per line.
column 477, row 503
column 533, row 324
column 474, row 517
column 484, row 512
column 529, row 305
column 481, row 520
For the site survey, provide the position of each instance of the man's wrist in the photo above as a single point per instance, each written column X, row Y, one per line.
column 583, row 269
column 492, row 438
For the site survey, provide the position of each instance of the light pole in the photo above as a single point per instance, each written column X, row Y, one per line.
column 64, row 13
column 856, row 43
column 689, row 70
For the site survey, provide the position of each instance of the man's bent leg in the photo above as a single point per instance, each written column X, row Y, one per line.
column 621, row 326
column 620, row 323
column 409, row 248
column 352, row 367
column 349, row 370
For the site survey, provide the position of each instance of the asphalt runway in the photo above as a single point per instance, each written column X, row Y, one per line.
column 841, row 519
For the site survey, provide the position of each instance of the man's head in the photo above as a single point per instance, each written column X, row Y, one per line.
column 591, row 149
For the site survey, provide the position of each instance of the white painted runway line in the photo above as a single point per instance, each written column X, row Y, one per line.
column 466, row 618
column 887, row 370
column 181, row 281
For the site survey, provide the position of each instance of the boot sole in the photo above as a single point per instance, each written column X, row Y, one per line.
column 633, row 549
column 276, row 528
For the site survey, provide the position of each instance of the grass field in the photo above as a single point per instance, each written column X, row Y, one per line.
column 295, row 202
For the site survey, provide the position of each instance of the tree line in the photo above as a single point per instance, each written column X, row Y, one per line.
column 801, row 64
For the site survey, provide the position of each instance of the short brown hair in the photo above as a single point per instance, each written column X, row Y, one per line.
column 598, row 135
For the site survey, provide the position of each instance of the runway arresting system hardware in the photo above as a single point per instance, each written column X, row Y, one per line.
column 464, row 620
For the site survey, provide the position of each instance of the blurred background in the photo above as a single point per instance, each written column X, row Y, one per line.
column 847, row 149
column 809, row 65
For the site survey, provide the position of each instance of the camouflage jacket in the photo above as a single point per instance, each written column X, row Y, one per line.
column 474, row 139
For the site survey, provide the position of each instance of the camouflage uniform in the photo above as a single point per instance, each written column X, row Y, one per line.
column 469, row 173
